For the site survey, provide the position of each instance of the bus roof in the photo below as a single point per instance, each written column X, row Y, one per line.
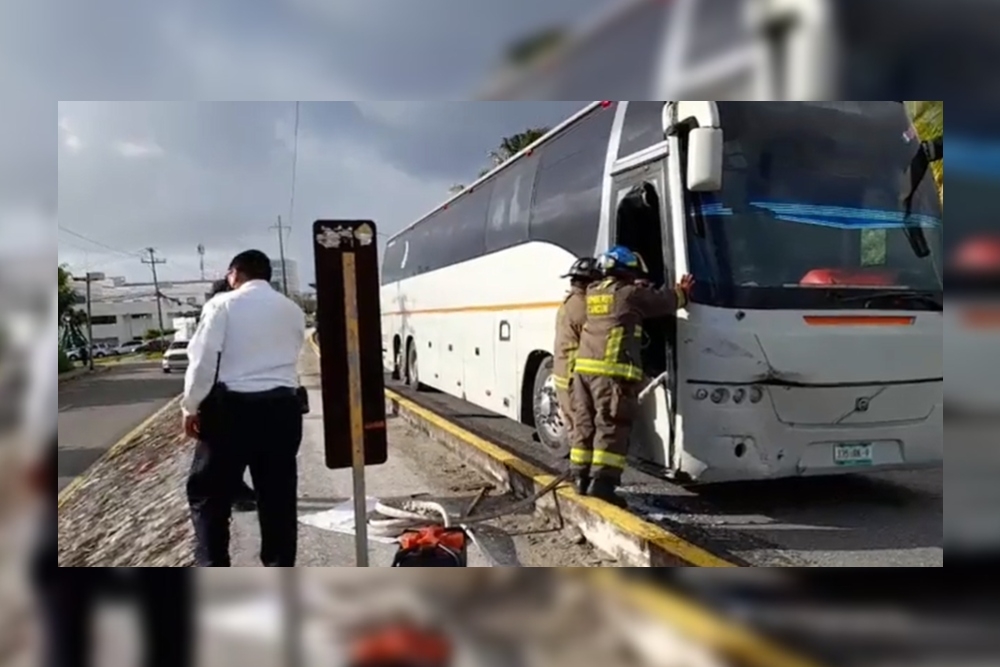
column 506, row 164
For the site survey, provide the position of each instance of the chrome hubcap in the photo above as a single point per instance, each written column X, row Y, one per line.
column 550, row 417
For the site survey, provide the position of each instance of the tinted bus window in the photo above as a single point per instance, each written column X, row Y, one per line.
column 462, row 233
column 566, row 206
column 643, row 127
column 393, row 260
column 510, row 205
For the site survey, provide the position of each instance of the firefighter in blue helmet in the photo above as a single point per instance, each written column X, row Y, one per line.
column 608, row 369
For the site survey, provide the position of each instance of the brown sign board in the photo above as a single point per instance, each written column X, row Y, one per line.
column 349, row 332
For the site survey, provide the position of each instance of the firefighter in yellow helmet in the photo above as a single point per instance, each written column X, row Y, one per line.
column 608, row 370
column 569, row 322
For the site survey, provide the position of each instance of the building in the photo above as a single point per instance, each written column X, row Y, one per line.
column 279, row 271
column 123, row 311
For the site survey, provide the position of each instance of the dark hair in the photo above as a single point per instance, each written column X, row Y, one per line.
column 219, row 286
column 252, row 265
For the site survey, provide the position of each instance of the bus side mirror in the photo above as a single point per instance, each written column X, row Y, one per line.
column 704, row 159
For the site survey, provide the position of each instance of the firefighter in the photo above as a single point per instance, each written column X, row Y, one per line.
column 569, row 321
column 608, row 370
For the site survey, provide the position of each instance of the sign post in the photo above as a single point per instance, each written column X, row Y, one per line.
column 349, row 325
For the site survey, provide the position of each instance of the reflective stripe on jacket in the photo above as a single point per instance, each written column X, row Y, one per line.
column 611, row 340
column 569, row 322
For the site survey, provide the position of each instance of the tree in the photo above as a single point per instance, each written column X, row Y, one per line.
column 928, row 119
column 514, row 144
column 72, row 320
column 66, row 296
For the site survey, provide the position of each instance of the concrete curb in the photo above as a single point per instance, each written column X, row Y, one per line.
column 630, row 539
column 70, row 489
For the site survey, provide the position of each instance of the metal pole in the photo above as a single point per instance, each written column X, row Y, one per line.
column 90, row 329
column 356, row 413
column 281, row 253
column 293, row 617
column 156, row 285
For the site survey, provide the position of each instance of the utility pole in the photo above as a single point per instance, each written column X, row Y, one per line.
column 89, row 277
column 281, row 254
column 153, row 261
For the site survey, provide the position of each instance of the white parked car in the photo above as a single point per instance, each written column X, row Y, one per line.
column 176, row 357
column 129, row 347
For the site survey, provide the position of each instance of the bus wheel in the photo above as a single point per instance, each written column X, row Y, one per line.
column 549, row 423
column 397, row 358
column 412, row 369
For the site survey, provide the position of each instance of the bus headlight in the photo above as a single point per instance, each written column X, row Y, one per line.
column 756, row 394
column 701, row 394
column 739, row 395
column 719, row 395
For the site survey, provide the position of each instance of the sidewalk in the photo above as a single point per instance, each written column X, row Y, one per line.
column 418, row 467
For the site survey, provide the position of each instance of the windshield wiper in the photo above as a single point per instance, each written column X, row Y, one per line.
column 928, row 151
column 927, row 298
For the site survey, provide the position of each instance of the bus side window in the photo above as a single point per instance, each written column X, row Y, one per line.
column 565, row 208
column 394, row 260
column 510, row 202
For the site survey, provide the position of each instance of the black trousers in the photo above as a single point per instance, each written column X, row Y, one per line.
column 163, row 597
column 263, row 432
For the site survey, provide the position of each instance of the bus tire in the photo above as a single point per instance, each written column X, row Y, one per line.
column 549, row 423
column 397, row 358
column 412, row 367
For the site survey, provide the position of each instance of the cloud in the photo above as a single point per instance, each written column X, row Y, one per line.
column 132, row 149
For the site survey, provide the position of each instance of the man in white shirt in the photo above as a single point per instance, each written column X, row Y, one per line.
column 240, row 403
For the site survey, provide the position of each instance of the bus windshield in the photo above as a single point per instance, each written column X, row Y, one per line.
column 813, row 201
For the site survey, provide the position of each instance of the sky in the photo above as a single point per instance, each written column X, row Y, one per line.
column 125, row 175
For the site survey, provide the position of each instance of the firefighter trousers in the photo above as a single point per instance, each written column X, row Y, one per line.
column 603, row 411
column 565, row 401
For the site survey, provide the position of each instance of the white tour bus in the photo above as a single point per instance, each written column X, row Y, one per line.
column 813, row 343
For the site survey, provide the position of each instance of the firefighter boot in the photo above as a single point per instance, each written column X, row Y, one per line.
column 581, row 483
column 604, row 489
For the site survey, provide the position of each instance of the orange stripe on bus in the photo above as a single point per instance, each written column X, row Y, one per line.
column 858, row 320
column 480, row 309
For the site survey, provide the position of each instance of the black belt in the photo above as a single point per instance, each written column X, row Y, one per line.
column 269, row 395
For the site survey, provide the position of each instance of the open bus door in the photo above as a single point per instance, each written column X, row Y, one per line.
column 639, row 213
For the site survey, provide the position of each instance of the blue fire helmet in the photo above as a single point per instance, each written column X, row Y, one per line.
column 619, row 258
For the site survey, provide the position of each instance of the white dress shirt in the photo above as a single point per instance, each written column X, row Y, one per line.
column 260, row 333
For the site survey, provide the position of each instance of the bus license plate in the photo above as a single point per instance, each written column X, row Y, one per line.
column 856, row 454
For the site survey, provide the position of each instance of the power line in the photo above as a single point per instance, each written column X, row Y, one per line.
column 99, row 243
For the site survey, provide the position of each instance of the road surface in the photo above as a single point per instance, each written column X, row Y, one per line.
column 95, row 411
column 884, row 520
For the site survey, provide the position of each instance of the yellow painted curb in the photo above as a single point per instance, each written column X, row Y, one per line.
column 700, row 623
column 624, row 521
column 77, row 482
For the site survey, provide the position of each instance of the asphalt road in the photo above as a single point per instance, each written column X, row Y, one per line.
column 885, row 520
column 95, row 411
